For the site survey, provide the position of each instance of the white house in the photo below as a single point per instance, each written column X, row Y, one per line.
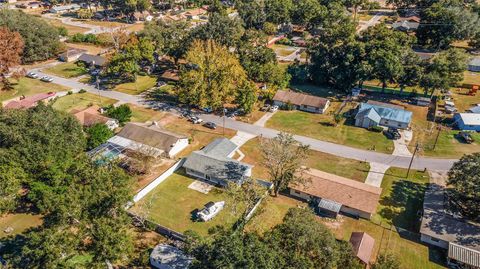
column 150, row 139
column 65, row 8
column 467, row 121
column 165, row 256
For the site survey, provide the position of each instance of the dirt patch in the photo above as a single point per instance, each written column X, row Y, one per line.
column 156, row 171
column 169, row 118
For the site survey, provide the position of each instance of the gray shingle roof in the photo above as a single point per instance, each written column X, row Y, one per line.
column 213, row 160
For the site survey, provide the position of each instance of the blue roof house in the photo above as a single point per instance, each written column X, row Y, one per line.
column 379, row 114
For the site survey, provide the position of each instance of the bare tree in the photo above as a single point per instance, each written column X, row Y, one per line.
column 283, row 157
column 120, row 37
column 140, row 161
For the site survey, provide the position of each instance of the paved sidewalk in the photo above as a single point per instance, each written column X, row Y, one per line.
column 263, row 120
column 376, row 173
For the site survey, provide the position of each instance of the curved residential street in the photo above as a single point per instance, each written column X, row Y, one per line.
column 419, row 163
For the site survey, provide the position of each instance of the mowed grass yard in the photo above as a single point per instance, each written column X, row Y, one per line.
column 27, row 86
column 66, row 70
column 142, row 84
column 81, row 101
column 317, row 126
column 348, row 168
column 449, row 145
column 19, row 222
column 172, row 204
column 402, row 198
column 406, row 247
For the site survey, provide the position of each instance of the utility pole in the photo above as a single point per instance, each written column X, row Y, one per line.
column 411, row 160
column 436, row 138
column 223, row 109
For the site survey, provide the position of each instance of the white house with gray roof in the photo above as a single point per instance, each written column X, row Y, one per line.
column 214, row 163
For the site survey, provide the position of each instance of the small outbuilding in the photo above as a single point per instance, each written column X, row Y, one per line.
column 166, row 256
column 362, row 244
column 467, row 121
column 422, row 101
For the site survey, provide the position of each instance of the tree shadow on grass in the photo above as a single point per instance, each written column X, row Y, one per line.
column 401, row 207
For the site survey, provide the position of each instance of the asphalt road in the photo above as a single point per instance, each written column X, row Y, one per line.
column 419, row 163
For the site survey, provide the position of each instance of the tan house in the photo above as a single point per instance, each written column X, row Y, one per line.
column 91, row 115
column 301, row 101
column 29, row 101
column 338, row 194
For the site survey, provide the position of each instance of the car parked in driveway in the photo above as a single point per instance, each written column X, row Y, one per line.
column 195, row 120
column 392, row 133
column 46, row 79
column 467, row 137
column 210, row 125
column 32, row 75
column 273, row 108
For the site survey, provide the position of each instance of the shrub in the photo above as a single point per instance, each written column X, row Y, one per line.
column 376, row 129
column 62, row 31
column 69, row 93
column 122, row 113
column 81, row 38
column 285, row 41
column 82, row 91
column 288, row 106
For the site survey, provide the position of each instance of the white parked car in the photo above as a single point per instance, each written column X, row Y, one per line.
column 210, row 210
column 196, row 120
column 32, row 75
column 273, row 108
column 46, row 79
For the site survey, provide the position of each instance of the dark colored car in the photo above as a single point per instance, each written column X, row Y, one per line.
column 210, row 125
column 392, row 133
column 467, row 137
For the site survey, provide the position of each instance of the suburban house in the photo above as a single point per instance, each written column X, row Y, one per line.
column 301, row 101
column 442, row 228
column 362, row 244
column 142, row 16
column 30, row 101
column 93, row 60
column 214, row 163
column 150, row 139
column 474, row 65
column 65, row 8
column 71, row 55
column 407, row 24
column 91, row 115
column 381, row 114
column 467, row 121
column 337, row 194
column 165, row 256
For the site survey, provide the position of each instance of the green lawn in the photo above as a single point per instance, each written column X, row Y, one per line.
column 19, row 222
column 27, row 86
column 449, row 145
column 406, row 246
column 401, row 198
column 313, row 90
column 66, row 70
column 173, row 203
column 316, row 126
column 283, row 50
column 142, row 84
column 348, row 168
column 80, row 101
column 471, row 78
column 364, row 17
